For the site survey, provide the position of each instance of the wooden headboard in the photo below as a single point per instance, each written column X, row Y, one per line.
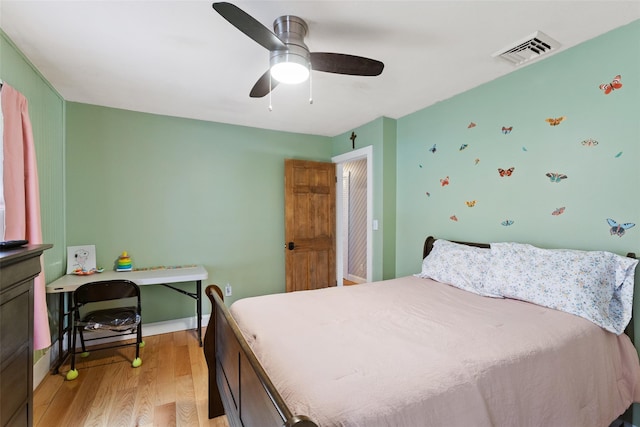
column 428, row 245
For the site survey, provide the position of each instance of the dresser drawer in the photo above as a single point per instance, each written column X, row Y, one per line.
column 14, row 385
column 14, row 323
column 20, row 419
column 19, row 272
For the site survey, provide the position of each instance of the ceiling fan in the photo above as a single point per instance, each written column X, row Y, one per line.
column 290, row 60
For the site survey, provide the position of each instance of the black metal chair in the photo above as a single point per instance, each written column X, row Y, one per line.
column 116, row 319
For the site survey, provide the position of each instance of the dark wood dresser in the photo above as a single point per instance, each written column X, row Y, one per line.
column 18, row 268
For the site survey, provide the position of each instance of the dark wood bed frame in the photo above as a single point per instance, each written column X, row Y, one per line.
column 238, row 385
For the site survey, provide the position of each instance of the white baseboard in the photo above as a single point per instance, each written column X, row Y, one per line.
column 167, row 326
column 43, row 366
column 356, row 279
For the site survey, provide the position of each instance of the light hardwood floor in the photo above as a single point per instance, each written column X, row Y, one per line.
column 169, row 389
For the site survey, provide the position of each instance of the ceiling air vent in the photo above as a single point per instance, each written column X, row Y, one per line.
column 528, row 49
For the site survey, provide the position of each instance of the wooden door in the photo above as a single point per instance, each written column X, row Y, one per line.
column 310, row 224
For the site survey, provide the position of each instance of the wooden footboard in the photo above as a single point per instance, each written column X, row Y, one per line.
column 238, row 385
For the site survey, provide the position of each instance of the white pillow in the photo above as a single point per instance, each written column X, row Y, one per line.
column 459, row 265
column 596, row 285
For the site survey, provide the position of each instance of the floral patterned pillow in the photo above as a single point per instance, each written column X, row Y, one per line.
column 596, row 285
column 458, row 265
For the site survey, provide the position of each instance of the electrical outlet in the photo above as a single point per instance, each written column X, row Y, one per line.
column 227, row 290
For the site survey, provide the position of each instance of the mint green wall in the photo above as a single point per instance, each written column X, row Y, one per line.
column 174, row 191
column 46, row 111
column 600, row 184
column 389, row 174
column 381, row 135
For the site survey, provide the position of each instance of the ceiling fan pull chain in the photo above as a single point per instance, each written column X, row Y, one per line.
column 270, row 106
column 310, row 89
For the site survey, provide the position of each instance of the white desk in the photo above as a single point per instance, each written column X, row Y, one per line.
column 65, row 286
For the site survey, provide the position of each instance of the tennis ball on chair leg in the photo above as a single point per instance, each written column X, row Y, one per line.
column 136, row 362
column 72, row 375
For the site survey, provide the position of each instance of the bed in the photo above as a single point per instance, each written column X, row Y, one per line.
column 414, row 351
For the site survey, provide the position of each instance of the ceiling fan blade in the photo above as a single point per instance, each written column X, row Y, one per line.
column 249, row 25
column 340, row 63
column 261, row 88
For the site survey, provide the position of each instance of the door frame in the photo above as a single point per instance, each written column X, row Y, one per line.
column 340, row 160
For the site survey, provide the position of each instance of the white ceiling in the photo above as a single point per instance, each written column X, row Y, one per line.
column 180, row 58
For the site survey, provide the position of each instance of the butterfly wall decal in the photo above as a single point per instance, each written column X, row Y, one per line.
column 463, row 146
column 589, row 142
column 471, row 203
column 507, row 222
column 615, row 84
column 507, row 130
column 558, row 211
column 618, row 229
column 506, row 172
column 444, row 181
column 556, row 177
column 556, row 121
column 476, row 161
column 453, row 218
column 471, row 125
column 433, row 149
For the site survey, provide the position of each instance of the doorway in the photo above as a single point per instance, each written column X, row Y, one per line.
column 354, row 212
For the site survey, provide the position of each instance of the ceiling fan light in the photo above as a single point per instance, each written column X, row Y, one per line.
column 289, row 69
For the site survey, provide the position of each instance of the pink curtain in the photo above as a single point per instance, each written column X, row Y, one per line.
column 21, row 195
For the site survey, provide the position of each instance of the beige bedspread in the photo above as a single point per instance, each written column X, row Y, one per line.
column 414, row 352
